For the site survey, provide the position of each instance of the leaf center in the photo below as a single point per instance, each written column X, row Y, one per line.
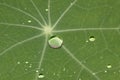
column 47, row 30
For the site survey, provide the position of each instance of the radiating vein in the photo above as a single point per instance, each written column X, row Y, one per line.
column 80, row 63
column 27, row 26
column 49, row 12
column 19, row 43
column 82, row 29
column 26, row 13
column 40, row 14
column 42, row 57
column 62, row 15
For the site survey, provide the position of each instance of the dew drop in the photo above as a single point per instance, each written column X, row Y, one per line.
column 26, row 62
column 26, row 69
column 54, row 74
column 93, row 73
column 30, row 66
column 41, row 76
column 87, row 41
column 29, row 21
column 18, row 62
column 46, row 9
column 36, row 71
column 55, row 42
column 79, row 79
column 92, row 38
column 71, row 3
column 105, row 71
column 109, row 66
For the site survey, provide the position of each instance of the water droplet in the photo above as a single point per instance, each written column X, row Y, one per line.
column 93, row 73
column 105, row 71
column 64, row 69
column 41, row 76
column 29, row 21
column 71, row 3
column 26, row 62
column 79, row 79
column 36, row 71
column 46, row 9
column 54, row 74
column 18, row 62
column 47, row 30
column 55, row 42
column 109, row 66
column 26, row 69
column 92, row 38
column 30, row 65
column 87, row 41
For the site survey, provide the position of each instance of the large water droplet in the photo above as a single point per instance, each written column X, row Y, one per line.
column 55, row 42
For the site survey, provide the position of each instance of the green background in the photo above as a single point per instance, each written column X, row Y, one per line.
column 77, row 59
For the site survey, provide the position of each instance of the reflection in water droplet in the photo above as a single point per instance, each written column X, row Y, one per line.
column 55, row 42
column 41, row 76
column 92, row 38
column 109, row 66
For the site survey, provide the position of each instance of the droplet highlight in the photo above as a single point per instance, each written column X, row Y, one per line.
column 18, row 62
column 46, row 9
column 41, row 76
column 29, row 21
column 92, row 38
column 55, row 42
column 109, row 66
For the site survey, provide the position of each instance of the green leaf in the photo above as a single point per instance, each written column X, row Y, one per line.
column 89, row 29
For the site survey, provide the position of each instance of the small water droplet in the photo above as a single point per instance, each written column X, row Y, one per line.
column 109, row 66
column 26, row 62
column 92, row 38
column 26, row 69
column 30, row 65
column 93, row 73
column 87, row 41
column 55, row 42
column 46, row 9
column 79, row 79
column 29, row 21
column 64, row 69
column 41, row 76
column 105, row 71
column 18, row 62
column 54, row 74
column 114, row 72
column 36, row 71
